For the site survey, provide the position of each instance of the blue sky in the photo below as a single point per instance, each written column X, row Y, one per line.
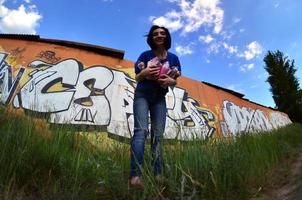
column 217, row 41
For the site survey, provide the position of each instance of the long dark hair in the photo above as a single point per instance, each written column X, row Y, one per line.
column 167, row 41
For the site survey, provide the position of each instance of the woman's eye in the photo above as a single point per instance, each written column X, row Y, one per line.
column 163, row 33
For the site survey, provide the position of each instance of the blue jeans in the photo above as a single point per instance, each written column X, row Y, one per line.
column 144, row 102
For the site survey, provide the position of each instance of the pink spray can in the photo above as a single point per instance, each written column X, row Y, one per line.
column 164, row 69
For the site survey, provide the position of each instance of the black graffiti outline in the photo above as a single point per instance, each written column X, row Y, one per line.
column 12, row 84
column 43, row 91
column 250, row 118
column 104, row 89
column 131, row 82
column 188, row 119
column 49, row 56
column 87, row 112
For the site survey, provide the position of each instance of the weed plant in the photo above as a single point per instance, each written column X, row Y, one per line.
column 38, row 162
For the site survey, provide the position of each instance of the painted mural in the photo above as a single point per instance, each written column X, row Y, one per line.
column 67, row 90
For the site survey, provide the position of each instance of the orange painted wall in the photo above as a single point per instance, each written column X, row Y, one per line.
column 212, row 101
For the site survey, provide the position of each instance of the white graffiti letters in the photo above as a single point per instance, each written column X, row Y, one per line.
column 185, row 120
column 89, row 103
column 121, row 94
column 241, row 119
column 103, row 97
column 279, row 120
column 36, row 94
column 7, row 84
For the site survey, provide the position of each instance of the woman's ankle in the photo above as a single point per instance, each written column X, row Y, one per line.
column 136, row 181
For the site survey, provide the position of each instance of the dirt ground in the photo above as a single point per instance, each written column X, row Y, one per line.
column 290, row 188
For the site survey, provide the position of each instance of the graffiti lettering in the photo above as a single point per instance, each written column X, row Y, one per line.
column 50, row 56
column 37, row 94
column 7, row 83
column 102, row 96
column 18, row 52
column 89, row 105
column 185, row 119
column 279, row 120
column 241, row 119
column 121, row 94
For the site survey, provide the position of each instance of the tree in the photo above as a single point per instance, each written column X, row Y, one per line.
column 284, row 85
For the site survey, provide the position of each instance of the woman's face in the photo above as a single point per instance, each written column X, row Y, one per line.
column 159, row 36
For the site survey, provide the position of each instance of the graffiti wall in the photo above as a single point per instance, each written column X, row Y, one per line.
column 82, row 86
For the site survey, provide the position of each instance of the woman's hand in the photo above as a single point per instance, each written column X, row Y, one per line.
column 174, row 73
column 166, row 81
column 151, row 72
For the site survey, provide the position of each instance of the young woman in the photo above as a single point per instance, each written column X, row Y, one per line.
column 155, row 69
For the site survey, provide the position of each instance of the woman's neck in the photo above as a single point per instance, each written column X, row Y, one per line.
column 160, row 53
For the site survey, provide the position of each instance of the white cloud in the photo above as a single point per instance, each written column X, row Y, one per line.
column 27, row 1
column 231, row 87
column 230, row 49
column 206, row 39
column 227, row 35
column 247, row 67
column 3, row 9
column 171, row 20
column 236, row 20
column 32, row 7
column 253, row 49
column 276, row 5
column 214, row 48
column 19, row 20
column 293, row 45
column 234, row 87
column 192, row 16
column 262, row 76
column 253, row 86
column 183, row 50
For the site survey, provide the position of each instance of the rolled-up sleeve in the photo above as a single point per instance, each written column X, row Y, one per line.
column 178, row 65
column 137, row 69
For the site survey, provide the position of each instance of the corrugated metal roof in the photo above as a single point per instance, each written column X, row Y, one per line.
column 89, row 47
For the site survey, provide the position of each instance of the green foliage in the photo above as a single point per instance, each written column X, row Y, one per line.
column 67, row 165
column 284, row 85
column 34, row 166
column 229, row 168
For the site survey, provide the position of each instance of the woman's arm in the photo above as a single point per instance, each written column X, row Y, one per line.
column 151, row 72
column 140, row 76
column 166, row 81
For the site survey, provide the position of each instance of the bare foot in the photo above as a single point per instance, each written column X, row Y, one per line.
column 136, row 182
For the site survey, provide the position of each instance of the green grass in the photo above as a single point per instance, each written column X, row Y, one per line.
column 67, row 164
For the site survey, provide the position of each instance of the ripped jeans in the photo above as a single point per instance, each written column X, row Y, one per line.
column 144, row 102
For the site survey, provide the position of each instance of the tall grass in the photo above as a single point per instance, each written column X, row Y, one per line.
column 230, row 168
column 38, row 162
column 35, row 165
